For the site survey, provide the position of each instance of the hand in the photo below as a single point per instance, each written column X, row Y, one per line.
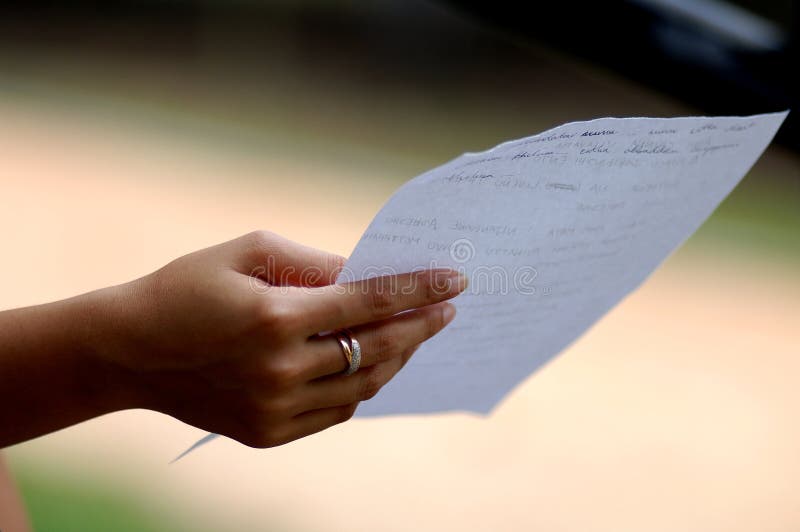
column 204, row 341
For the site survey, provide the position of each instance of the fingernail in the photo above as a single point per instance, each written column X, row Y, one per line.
column 449, row 282
column 448, row 313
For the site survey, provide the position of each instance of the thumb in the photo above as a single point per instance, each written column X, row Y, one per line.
column 282, row 262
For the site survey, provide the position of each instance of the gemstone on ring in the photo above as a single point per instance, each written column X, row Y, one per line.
column 355, row 362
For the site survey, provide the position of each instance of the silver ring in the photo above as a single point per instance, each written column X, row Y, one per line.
column 351, row 350
column 355, row 362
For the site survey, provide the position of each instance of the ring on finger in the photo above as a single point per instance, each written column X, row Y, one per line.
column 351, row 349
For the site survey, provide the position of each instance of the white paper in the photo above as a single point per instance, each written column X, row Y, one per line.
column 553, row 230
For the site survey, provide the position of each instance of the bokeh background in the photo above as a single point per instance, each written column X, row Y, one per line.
column 134, row 132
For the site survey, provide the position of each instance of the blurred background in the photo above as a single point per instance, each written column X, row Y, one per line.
column 134, row 132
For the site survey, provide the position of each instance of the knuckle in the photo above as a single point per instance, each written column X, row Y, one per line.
column 276, row 316
column 432, row 289
column 261, row 429
column 386, row 345
column 346, row 413
column 268, row 437
column 371, row 384
column 379, row 301
column 257, row 246
column 434, row 322
column 334, row 264
column 260, row 238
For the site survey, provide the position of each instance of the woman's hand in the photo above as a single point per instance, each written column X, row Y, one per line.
column 206, row 341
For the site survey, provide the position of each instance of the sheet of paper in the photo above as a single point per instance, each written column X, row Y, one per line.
column 553, row 230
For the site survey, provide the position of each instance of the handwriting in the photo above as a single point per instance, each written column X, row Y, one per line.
column 643, row 146
column 599, row 132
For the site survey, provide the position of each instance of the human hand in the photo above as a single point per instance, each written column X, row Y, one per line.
column 205, row 341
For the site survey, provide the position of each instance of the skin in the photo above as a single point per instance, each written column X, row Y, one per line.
column 225, row 339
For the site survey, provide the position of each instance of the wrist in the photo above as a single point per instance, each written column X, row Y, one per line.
column 110, row 384
column 52, row 362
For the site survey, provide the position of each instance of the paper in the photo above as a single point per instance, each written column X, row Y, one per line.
column 553, row 230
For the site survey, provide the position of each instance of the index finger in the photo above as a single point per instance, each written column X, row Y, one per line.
column 347, row 305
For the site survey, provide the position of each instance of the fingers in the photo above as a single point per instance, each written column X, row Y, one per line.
column 325, row 403
column 282, row 262
column 361, row 386
column 380, row 341
column 347, row 305
column 318, row 420
column 368, row 381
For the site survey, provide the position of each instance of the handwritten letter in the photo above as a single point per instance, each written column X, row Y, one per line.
column 552, row 230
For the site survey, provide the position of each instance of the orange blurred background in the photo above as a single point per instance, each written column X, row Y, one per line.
column 125, row 143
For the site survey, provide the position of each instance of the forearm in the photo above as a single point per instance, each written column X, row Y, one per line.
column 50, row 376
